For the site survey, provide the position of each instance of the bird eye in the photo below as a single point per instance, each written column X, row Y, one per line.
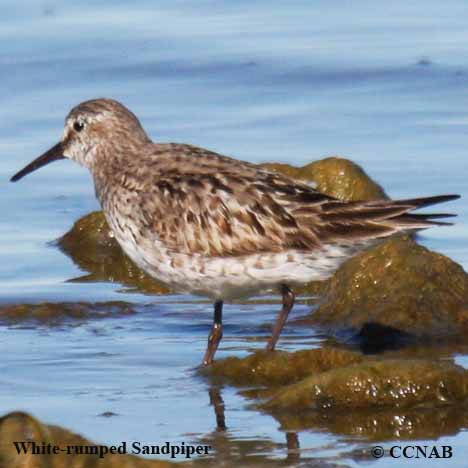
column 78, row 126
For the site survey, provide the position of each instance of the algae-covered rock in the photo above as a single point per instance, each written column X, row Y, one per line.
column 19, row 426
column 376, row 383
column 92, row 247
column 337, row 177
column 314, row 289
column 279, row 368
column 52, row 314
column 399, row 285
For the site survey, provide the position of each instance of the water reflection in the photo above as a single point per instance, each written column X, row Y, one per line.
column 361, row 428
column 217, row 402
column 368, row 424
column 254, row 451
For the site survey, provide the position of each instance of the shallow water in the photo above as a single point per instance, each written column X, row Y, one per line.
column 264, row 81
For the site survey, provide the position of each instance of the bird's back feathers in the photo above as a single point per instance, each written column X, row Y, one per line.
column 198, row 202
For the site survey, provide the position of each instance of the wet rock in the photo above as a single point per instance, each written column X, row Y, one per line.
column 315, row 289
column 376, row 384
column 19, row 426
column 399, row 286
column 337, row 177
column 53, row 314
column 90, row 244
column 279, row 368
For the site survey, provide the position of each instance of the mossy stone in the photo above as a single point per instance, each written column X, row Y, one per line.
column 56, row 313
column 376, row 383
column 279, row 367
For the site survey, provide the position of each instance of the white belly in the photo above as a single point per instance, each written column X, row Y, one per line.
column 227, row 278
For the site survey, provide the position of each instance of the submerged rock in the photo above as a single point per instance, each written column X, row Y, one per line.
column 279, row 368
column 397, row 286
column 378, row 384
column 90, row 244
column 337, row 177
column 53, row 314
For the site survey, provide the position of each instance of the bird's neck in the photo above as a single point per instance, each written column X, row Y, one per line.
column 116, row 164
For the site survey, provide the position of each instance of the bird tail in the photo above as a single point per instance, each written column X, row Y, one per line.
column 399, row 212
column 347, row 228
column 357, row 222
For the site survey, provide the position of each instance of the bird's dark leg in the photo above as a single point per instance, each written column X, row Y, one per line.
column 215, row 335
column 288, row 302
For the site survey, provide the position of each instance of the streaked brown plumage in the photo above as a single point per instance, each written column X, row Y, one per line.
column 212, row 225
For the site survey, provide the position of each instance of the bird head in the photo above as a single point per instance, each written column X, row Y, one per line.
column 99, row 126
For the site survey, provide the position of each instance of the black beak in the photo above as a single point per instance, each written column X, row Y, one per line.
column 53, row 154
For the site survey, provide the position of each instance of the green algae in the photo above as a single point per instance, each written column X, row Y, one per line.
column 53, row 314
column 376, row 383
column 278, row 368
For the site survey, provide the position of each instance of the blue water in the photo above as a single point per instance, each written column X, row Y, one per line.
column 384, row 84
